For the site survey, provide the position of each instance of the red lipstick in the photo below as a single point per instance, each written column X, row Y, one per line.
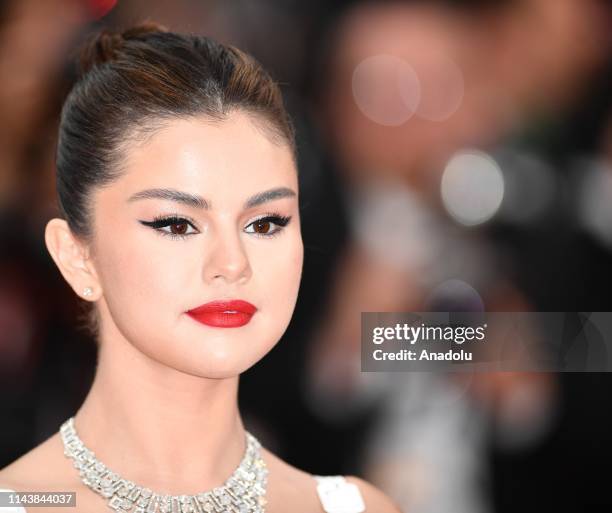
column 224, row 314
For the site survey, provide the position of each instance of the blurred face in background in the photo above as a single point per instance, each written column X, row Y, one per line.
column 152, row 275
column 402, row 81
column 411, row 84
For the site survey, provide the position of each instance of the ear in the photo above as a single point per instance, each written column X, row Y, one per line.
column 72, row 258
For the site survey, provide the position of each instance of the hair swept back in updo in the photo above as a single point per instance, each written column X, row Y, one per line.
column 130, row 82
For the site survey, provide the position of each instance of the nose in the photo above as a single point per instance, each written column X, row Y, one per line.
column 227, row 259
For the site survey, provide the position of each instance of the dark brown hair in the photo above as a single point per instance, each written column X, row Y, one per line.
column 130, row 83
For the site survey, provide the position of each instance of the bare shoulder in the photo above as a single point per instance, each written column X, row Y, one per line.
column 290, row 487
column 288, row 484
column 39, row 469
column 374, row 499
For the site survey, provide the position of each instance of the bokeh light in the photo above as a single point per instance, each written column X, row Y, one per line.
column 386, row 89
column 594, row 204
column 442, row 89
column 472, row 187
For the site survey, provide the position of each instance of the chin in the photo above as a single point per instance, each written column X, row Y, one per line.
column 223, row 362
column 224, row 370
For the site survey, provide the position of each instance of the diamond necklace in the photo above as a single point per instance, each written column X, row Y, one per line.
column 243, row 492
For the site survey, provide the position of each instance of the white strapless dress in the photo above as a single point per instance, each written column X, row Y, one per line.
column 336, row 494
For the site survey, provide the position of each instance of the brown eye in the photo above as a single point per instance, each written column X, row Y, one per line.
column 178, row 228
column 262, row 226
column 174, row 226
column 268, row 226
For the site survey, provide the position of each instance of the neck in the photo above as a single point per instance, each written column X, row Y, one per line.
column 163, row 429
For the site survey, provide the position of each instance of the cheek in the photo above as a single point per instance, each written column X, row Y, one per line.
column 277, row 271
column 139, row 276
column 145, row 290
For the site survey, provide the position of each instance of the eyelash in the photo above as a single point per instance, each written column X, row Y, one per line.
column 164, row 221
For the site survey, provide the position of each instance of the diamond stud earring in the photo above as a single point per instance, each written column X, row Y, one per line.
column 87, row 291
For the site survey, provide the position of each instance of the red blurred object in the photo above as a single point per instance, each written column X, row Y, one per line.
column 99, row 8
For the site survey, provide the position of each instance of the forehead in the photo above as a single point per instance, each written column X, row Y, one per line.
column 235, row 156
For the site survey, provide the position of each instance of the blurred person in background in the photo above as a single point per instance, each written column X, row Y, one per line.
column 419, row 94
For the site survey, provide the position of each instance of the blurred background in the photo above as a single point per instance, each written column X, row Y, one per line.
column 454, row 155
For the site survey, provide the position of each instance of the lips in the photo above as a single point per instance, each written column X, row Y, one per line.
column 224, row 314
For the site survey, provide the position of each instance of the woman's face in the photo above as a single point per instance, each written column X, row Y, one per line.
column 151, row 274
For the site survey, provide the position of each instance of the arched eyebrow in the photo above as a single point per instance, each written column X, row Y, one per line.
column 194, row 200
